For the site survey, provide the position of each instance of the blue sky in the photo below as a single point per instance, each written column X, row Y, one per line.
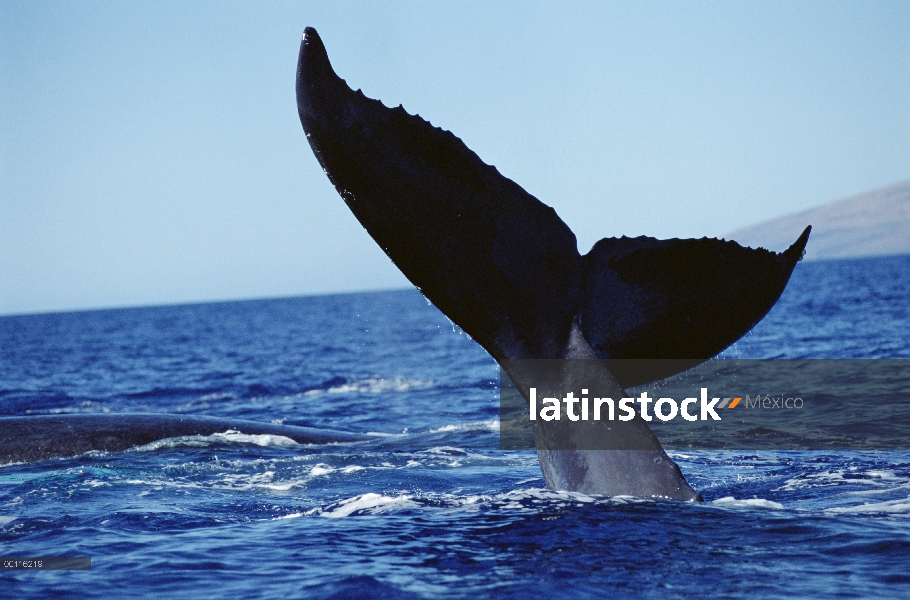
column 150, row 152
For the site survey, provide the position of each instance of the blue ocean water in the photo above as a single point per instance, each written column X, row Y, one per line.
column 430, row 507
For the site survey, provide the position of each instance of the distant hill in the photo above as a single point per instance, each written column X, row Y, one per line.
column 870, row 224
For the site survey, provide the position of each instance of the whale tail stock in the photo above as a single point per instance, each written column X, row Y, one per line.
column 503, row 265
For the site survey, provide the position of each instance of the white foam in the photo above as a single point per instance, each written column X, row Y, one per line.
column 229, row 436
column 731, row 502
column 529, row 480
column 85, row 408
column 527, row 500
column 891, row 506
column 516, row 498
column 874, row 478
column 257, row 439
column 882, row 474
column 226, row 481
column 372, row 503
column 476, row 426
column 290, row 516
column 4, row 520
column 218, row 396
column 322, row 469
column 675, row 454
column 445, row 450
column 371, row 385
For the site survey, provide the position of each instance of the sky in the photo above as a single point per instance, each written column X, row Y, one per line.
column 151, row 153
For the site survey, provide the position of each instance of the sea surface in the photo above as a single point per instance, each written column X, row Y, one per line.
column 430, row 507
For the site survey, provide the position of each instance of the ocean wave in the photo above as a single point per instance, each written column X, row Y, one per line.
column 528, row 500
column 279, row 475
column 370, row 385
column 266, row 480
column 900, row 506
column 446, row 451
column 731, row 502
column 218, row 396
column 492, row 425
column 229, row 436
column 84, row 407
column 384, row 434
column 323, row 469
column 851, row 476
column 370, row 503
column 531, row 500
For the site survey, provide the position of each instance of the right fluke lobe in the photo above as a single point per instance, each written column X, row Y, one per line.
column 685, row 300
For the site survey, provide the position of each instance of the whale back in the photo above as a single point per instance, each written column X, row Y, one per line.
column 39, row 437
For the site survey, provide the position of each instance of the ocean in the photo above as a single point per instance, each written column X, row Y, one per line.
column 429, row 507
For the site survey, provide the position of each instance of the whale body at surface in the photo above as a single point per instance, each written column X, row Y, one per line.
column 39, row 437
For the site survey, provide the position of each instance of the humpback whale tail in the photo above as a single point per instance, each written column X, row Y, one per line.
column 503, row 265
column 506, row 269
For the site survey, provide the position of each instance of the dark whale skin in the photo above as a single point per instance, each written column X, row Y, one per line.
column 503, row 266
column 35, row 438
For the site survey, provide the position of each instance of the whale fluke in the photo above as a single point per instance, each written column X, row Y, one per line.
column 680, row 301
column 504, row 267
column 39, row 437
column 502, row 264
